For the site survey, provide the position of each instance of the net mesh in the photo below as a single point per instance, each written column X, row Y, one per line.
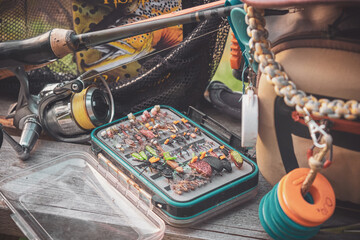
column 175, row 77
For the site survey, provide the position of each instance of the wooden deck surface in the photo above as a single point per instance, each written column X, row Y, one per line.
column 241, row 222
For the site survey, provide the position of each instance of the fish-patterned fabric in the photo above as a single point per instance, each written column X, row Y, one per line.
column 117, row 60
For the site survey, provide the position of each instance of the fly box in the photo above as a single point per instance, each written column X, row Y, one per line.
column 185, row 172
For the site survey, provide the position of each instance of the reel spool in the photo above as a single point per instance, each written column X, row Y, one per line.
column 90, row 108
column 285, row 214
column 69, row 117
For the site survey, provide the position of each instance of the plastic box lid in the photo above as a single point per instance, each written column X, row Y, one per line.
column 74, row 197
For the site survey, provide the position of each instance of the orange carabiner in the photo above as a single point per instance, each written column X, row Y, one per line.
column 236, row 54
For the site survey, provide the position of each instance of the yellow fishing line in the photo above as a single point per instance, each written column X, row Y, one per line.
column 79, row 110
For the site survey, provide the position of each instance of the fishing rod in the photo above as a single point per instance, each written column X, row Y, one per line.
column 57, row 43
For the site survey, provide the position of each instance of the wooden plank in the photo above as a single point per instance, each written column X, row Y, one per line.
column 7, row 225
column 7, row 237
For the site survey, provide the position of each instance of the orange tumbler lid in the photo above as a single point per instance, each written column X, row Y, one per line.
column 297, row 208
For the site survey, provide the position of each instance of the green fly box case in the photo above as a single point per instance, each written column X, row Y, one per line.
column 182, row 170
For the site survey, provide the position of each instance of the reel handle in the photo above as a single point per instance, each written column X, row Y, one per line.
column 30, row 134
column 44, row 48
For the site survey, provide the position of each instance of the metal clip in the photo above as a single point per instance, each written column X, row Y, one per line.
column 318, row 161
column 314, row 128
column 251, row 78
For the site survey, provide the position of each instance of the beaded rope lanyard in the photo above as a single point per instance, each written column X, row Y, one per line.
column 285, row 88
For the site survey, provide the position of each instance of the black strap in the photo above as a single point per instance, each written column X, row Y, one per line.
column 283, row 126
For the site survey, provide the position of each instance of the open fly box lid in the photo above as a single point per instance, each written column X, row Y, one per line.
column 73, row 197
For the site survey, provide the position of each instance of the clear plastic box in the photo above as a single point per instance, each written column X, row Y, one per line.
column 74, row 197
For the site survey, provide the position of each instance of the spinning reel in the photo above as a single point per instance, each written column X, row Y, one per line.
column 67, row 111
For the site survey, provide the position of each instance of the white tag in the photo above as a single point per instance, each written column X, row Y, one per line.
column 249, row 119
